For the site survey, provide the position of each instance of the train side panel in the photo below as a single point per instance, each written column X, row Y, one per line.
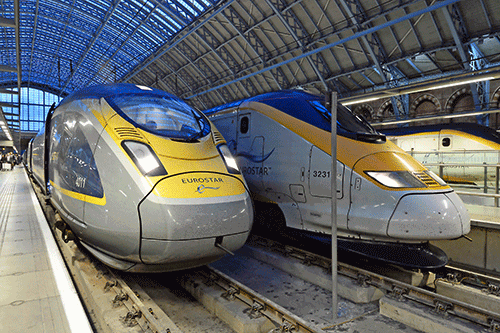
column 114, row 228
column 69, row 162
column 37, row 158
column 290, row 172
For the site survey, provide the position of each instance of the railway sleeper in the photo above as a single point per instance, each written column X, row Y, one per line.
column 442, row 308
column 493, row 289
column 398, row 293
column 256, row 311
column 285, row 327
column 494, row 325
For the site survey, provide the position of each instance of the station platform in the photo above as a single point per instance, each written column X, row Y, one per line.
column 36, row 291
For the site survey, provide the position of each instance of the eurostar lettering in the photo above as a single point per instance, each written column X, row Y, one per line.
column 200, row 180
column 256, row 171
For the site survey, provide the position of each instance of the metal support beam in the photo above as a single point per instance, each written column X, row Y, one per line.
column 9, row 69
column 478, row 62
column 171, row 44
column 294, row 31
column 455, row 24
column 8, row 91
column 8, row 23
column 16, row 121
column 330, row 45
column 91, row 44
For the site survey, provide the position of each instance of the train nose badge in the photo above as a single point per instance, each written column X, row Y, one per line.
column 202, row 188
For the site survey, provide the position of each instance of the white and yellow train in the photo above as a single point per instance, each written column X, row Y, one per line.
column 282, row 141
column 464, row 149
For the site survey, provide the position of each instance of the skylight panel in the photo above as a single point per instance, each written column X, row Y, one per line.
column 171, row 24
column 150, row 34
column 179, row 10
column 103, row 6
column 189, row 7
column 66, row 28
column 198, row 5
column 137, row 3
column 208, row 3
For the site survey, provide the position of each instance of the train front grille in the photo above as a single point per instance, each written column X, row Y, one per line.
column 426, row 179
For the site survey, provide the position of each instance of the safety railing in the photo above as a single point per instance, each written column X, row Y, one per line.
column 476, row 169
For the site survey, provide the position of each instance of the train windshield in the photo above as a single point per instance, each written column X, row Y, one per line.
column 162, row 115
column 349, row 124
column 311, row 109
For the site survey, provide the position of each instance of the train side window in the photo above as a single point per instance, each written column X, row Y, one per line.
column 244, row 125
column 446, row 142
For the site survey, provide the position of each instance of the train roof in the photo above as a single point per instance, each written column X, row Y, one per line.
column 300, row 108
column 271, row 96
column 311, row 109
column 481, row 131
column 114, row 89
column 283, row 94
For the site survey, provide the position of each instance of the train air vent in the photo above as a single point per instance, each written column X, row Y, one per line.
column 217, row 137
column 128, row 133
column 426, row 179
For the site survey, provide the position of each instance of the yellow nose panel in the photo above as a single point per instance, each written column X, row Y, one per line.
column 199, row 185
column 389, row 161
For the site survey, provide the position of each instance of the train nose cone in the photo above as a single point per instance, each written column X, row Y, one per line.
column 429, row 216
column 181, row 221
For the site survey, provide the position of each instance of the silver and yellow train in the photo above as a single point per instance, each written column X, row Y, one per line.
column 282, row 141
column 142, row 180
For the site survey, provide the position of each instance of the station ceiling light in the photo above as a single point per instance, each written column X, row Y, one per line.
column 443, row 82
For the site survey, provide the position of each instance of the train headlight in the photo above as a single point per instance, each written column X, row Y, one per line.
column 228, row 158
column 145, row 158
column 396, row 179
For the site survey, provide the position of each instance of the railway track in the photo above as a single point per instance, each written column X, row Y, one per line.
column 455, row 291
column 120, row 302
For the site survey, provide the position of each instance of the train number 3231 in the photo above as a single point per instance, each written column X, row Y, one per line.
column 321, row 174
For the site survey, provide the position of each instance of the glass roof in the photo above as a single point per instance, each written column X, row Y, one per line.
column 70, row 44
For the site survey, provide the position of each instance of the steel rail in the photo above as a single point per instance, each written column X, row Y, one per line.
column 137, row 308
column 457, row 274
column 398, row 289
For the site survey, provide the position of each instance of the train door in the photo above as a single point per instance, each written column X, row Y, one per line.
column 320, row 185
column 250, row 151
column 319, row 174
column 227, row 125
column 280, row 167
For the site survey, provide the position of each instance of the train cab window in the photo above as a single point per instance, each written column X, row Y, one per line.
column 244, row 123
column 166, row 116
column 349, row 124
column 446, row 142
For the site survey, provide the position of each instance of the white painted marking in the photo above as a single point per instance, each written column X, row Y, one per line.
column 75, row 314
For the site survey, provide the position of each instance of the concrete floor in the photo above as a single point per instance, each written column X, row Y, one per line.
column 34, row 297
